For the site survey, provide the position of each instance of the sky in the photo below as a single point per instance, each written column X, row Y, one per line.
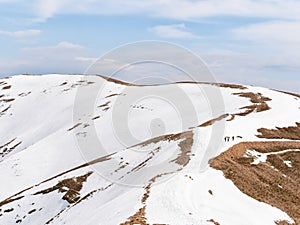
column 254, row 42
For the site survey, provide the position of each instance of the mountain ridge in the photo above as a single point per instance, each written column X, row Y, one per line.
column 41, row 162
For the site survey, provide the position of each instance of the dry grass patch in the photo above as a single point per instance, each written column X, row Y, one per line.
column 292, row 133
column 6, row 87
column 138, row 218
column 258, row 100
column 284, row 222
column 76, row 125
column 185, row 148
column 212, row 121
column 71, row 187
column 272, row 182
column 213, row 221
column 290, row 93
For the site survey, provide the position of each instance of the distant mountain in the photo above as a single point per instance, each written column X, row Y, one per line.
column 94, row 150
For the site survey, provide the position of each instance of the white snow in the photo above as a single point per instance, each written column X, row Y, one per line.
column 43, row 111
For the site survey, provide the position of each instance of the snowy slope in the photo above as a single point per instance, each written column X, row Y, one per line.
column 53, row 171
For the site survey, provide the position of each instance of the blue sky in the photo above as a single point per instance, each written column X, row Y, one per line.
column 242, row 41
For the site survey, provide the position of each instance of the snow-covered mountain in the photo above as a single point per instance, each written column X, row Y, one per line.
column 140, row 155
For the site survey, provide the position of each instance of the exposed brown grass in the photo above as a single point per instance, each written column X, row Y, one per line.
column 64, row 83
column 9, row 200
column 284, row 222
column 212, row 221
column 185, row 148
column 292, row 133
column 272, row 182
column 254, row 97
column 71, row 186
column 231, row 118
column 232, row 86
column 76, row 125
column 138, row 218
column 258, row 100
column 5, row 149
column 96, row 117
column 289, row 93
column 212, row 121
column 110, row 79
column 185, row 145
column 112, row 95
column 23, row 94
column 7, row 100
column 182, row 159
column 104, row 105
column 6, row 87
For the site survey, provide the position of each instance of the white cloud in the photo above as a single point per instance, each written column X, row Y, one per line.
column 176, row 9
column 87, row 59
column 281, row 31
column 272, row 71
column 20, row 33
column 47, row 8
column 172, row 31
column 278, row 37
column 64, row 57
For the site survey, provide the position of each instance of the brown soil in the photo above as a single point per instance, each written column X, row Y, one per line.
column 8, row 210
column 23, row 94
column 112, row 95
column 71, row 186
column 138, row 218
column 182, row 159
column 110, row 79
column 31, row 211
column 62, row 84
column 292, row 133
column 284, row 222
column 254, row 97
column 104, row 105
column 212, row 121
column 289, row 93
column 5, row 149
column 231, row 118
column 96, row 117
column 234, row 86
column 272, row 182
column 144, row 163
column 185, row 145
column 185, row 148
column 214, row 222
column 9, row 200
column 259, row 105
column 17, row 195
column 168, row 137
column 76, row 125
column 258, row 100
column 6, row 87
column 7, row 100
